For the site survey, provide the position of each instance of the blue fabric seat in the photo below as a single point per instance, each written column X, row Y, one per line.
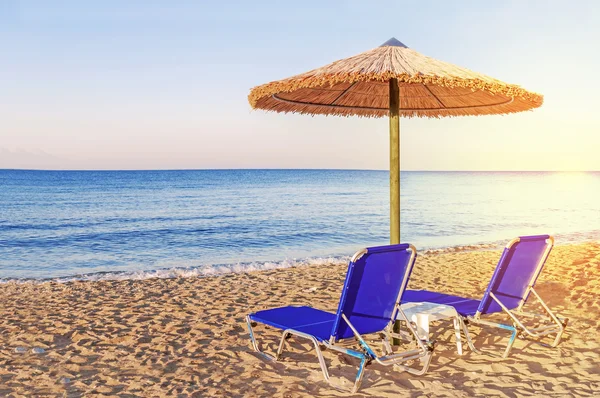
column 303, row 319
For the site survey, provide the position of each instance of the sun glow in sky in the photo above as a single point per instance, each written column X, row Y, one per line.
column 153, row 85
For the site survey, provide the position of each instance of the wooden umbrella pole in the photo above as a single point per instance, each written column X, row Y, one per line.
column 394, row 162
column 395, row 174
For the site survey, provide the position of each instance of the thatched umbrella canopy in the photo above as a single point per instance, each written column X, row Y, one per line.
column 393, row 80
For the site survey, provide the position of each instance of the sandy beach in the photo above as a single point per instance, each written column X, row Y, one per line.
column 187, row 336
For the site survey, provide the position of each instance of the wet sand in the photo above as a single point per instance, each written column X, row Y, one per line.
column 187, row 336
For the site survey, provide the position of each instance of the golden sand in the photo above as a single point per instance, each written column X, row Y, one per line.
column 187, row 336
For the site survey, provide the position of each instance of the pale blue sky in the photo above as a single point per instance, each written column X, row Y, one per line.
column 164, row 84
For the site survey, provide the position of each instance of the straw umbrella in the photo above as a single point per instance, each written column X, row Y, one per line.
column 393, row 80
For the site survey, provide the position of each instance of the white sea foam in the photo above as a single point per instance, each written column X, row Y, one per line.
column 169, row 272
column 187, row 272
column 466, row 248
column 174, row 271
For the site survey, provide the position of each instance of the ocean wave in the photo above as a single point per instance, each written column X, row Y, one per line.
column 466, row 248
column 220, row 269
column 185, row 272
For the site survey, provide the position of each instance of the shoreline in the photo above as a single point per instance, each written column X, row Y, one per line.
column 210, row 270
column 187, row 336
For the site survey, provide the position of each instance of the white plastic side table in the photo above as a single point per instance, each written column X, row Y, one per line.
column 424, row 313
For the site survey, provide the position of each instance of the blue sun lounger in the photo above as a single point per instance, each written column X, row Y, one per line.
column 512, row 282
column 369, row 303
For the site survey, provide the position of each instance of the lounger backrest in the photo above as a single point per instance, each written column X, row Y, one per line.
column 374, row 283
column 519, row 267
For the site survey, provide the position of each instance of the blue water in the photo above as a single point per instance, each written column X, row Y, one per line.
column 61, row 224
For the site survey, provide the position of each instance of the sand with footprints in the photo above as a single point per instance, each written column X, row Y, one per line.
column 187, row 336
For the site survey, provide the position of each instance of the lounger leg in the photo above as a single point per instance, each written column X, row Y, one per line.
column 560, row 333
column 557, row 339
column 425, row 346
column 359, row 375
column 255, row 344
column 456, row 322
column 425, row 361
column 281, row 344
column 385, row 342
column 549, row 329
column 319, row 356
column 468, row 336
column 364, row 361
column 424, row 355
column 512, row 329
column 513, row 337
column 361, row 368
column 561, row 324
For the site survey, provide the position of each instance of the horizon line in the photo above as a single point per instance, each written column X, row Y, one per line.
column 300, row 169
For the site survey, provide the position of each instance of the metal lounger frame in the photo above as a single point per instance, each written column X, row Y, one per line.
column 556, row 324
column 424, row 352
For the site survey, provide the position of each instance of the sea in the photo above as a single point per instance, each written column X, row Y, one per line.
column 97, row 225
